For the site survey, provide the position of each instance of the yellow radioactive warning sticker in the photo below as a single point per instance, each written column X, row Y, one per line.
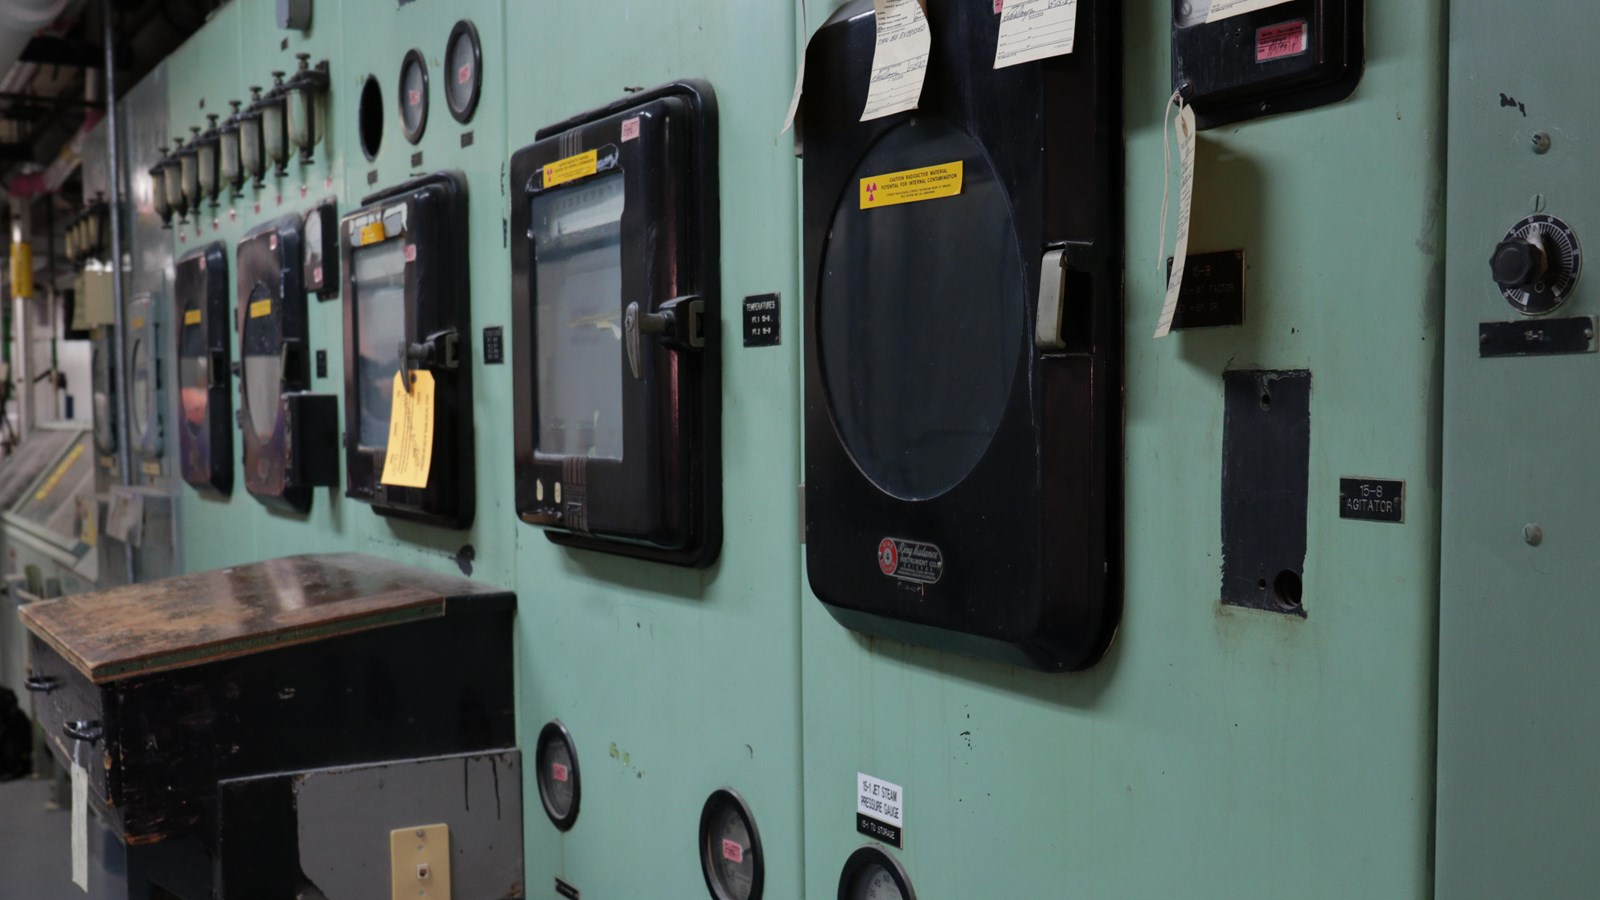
column 410, row 452
column 58, row 473
column 911, row 185
column 260, row 309
column 371, row 234
column 572, row 168
column 191, row 317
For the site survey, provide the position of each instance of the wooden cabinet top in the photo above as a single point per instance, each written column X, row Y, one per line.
column 193, row 619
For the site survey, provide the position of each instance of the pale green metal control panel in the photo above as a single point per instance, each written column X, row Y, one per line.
column 1216, row 751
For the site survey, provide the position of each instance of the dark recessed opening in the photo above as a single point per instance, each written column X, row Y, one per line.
column 1287, row 588
column 370, row 114
column 1266, row 400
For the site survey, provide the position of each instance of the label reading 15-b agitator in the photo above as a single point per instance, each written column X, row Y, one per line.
column 1372, row 500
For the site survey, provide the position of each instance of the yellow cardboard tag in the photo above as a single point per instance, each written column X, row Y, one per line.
column 371, row 234
column 88, row 520
column 911, row 185
column 137, row 323
column 260, row 309
column 410, row 452
column 191, row 317
column 572, row 168
column 58, row 473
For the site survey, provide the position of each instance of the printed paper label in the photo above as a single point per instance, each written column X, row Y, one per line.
column 410, row 453
column 882, row 800
column 572, row 168
column 1280, row 41
column 1180, row 254
column 1035, row 29
column 260, row 309
column 1227, row 9
column 912, row 185
column 191, row 317
column 630, row 129
column 899, row 58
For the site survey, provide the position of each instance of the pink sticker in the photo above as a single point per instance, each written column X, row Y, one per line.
column 272, row 242
column 998, row 6
column 411, row 253
column 630, row 128
column 464, row 74
column 414, row 98
column 258, row 207
column 279, row 198
column 1280, row 41
column 328, row 182
column 558, row 772
column 732, row 851
column 316, row 273
column 303, row 190
column 202, row 263
column 233, row 215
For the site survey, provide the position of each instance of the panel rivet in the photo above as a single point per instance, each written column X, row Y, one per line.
column 1541, row 142
column 1533, row 534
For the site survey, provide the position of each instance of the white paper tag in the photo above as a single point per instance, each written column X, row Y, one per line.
column 1227, row 9
column 1180, row 253
column 799, row 74
column 882, row 800
column 80, row 826
column 1035, row 29
column 125, row 518
column 899, row 59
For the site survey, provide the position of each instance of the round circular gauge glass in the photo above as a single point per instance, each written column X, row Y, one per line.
column 413, row 96
column 557, row 775
column 143, row 388
column 920, row 301
column 263, row 368
column 463, row 59
column 730, row 847
column 871, row 874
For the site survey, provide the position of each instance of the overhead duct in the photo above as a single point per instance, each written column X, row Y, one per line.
column 19, row 19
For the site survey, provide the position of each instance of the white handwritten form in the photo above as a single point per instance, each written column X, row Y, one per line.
column 900, row 58
column 1227, row 9
column 1035, row 29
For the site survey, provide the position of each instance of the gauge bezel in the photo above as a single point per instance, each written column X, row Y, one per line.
column 868, row 855
column 413, row 56
column 555, row 728
column 464, row 28
column 722, row 798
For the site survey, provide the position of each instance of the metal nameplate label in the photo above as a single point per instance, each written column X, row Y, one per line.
column 915, row 561
column 1372, row 500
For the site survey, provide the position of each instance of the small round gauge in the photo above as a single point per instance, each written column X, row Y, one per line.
column 730, row 847
column 1537, row 264
column 463, row 67
column 871, row 874
column 557, row 774
column 413, row 96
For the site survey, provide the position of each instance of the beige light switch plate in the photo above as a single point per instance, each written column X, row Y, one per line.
column 419, row 862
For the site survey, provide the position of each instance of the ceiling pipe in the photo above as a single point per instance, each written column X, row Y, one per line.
column 19, row 19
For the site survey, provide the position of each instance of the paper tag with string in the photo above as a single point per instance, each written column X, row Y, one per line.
column 799, row 74
column 409, row 455
column 899, row 58
column 80, row 821
column 1180, row 253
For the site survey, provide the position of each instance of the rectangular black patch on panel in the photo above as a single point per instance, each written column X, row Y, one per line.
column 878, row 830
column 1372, row 500
column 1212, row 295
column 322, row 364
column 761, row 321
column 494, row 345
column 1266, row 453
column 1536, row 337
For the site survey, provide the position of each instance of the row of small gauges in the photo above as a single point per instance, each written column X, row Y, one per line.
column 88, row 234
column 241, row 146
column 463, row 61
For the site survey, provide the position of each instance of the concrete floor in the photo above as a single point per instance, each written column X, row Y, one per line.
column 35, row 852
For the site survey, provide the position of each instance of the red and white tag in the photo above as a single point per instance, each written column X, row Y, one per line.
column 732, row 851
column 1280, row 41
column 272, row 242
column 316, row 274
column 630, row 129
column 411, row 253
column 464, row 74
column 999, row 6
column 558, row 772
column 414, row 98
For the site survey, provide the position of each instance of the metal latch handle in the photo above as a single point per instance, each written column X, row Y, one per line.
column 679, row 323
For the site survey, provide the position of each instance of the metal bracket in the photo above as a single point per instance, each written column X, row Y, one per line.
column 1052, row 289
column 440, row 350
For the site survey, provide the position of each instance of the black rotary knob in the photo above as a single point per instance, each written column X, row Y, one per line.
column 1518, row 263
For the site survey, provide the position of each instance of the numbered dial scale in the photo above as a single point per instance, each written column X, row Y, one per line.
column 290, row 435
column 413, row 96
column 872, row 874
column 1537, row 264
column 614, row 272
column 407, row 298
column 963, row 373
column 205, row 410
column 730, row 848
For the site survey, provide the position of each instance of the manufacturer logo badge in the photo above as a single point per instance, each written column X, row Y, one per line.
column 918, row 562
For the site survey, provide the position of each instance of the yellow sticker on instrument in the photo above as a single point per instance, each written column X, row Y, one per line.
column 911, row 185
column 371, row 234
column 137, row 323
column 410, row 453
column 260, row 309
column 58, row 473
column 191, row 317
column 572, row 168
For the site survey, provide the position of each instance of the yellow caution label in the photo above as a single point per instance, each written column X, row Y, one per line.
column 88, row 511
column 572, row 168
column 151, row 468
column 260, row 309
column 911, row 185
column 56, row 474
column 371, row 234
column 410, row 453
column 191, row 317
